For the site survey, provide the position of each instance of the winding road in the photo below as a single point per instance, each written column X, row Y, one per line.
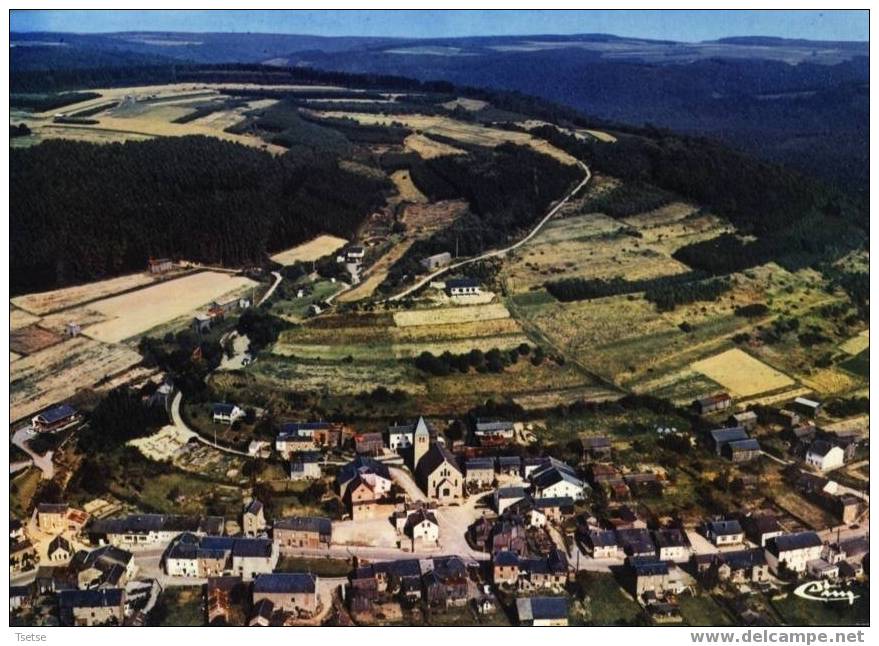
column 499, row 252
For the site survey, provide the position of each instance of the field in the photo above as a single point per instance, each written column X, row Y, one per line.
column 56, row 373
column 742, row 374
column 856, row 344
column 30, row 339
column 48, row 302
column 451, row 315
column 136, row 312
column 406, row 187
column 19, row 318
column 311, row 250
column 465, row 132
column 429, row 148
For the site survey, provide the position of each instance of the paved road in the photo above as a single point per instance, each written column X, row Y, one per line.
column 499, row 252
column 42, row 462
column 268, row 294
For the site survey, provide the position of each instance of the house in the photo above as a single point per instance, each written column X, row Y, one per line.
column 746, row 420
column 808, row 407
column 226, row 599
column 259, row 449
column 480, row 532
column 824, row 456
column 603, row 544
column 302, row 531
column 288, row 592
column 446, row 582
column 712, row 404
column 720, row 437
column 492, row 432
column 544, row 573
column 671, row 545
column 372, row 444
column 743, row 566
column 226, row 413
column 509, row 465
column 253, row 520
column 793, row 551
column 16, row 530
column 505, row 568
column 646, row 575
column 59, row 550
column 202, row 323
column 422, row 527
column 787, row 419
column 262, row 614
column 636, row 542
column 22, row 556
column 724, row 533
column 596, row 448
column 306, row 466
column 104, row 567
column 508, row 533
column 479, row 472
column 506, row 497
column 643, row 484
column 624, row 518
column 325, row 434
column 148, row 529
column 253, row 556
column 542, row 611
column 160, row 265
column 554, row 509
column 51, row 517
column 401, row 436
column 19, row 597
column 821, row 569
column 462, row 287
column 54, row 418
column 759, row 528
column 436, row 261
column 288, row 443
column 558, row 480
column 439, row 476
column 98, row 607
column 355, row 254
column 374, row 473
column 362, row 499
column 72, row 329
column 848, row 508
column 742, row 450
column 376, row 582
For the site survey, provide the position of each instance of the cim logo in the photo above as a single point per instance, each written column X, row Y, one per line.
column 825, row 591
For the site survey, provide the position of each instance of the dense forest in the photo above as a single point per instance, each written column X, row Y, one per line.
column 508, row 189
column 83, row 211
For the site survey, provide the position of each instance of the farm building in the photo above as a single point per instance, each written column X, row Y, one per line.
column 746, row 419
column 490, row 432
column 436, row 261
column 596, row 448
column 54, row 418
column 712, row 404
column 824, row 456
column 160, row 265
column 807, row 407
column 542, row 611
column 72, row 329
column 742, row 450
column 202, row 323
column 720, row 437
column 463, row 287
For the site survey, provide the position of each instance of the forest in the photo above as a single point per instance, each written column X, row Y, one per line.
column 82, row 212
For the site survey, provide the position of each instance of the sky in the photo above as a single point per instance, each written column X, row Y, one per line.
column 682, row 25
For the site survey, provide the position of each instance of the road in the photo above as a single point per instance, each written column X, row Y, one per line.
column 42, row 462
column 177, row 420
column 498, row 252
column 268, row 294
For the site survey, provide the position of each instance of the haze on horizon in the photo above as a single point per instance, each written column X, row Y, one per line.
column 678, row 25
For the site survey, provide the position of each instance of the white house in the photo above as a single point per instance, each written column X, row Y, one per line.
column 724, row 533
column 182, row 558
column 558, row 480
column 506, row 497
column 401, row 436
column 226, row 413
column 422, row 527
column 794, row 551
column 462, row 287
column 824, row 456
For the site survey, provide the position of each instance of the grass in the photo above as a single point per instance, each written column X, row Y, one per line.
column 22, row 490
column 605, row 604
column 178, row 606
column 320, row 567
column 182, row 494
column 796, row 611
column 859, row 364
column 703, row 610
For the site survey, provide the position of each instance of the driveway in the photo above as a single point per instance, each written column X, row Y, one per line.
column 42, row 462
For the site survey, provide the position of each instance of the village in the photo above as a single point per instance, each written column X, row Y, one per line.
column 477, row 529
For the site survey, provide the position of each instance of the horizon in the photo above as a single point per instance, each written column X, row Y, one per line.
column 678, row 25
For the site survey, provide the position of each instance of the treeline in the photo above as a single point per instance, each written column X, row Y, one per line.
column 495, row 360
column 82, row 212
column 508, row 189
column 666, row 292
column 39, row 103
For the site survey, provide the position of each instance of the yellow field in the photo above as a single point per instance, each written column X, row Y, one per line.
column 856, row 344
column 312, row 250
column 450, row 315
column 742, row 374
column 602, row 136
column 377, row 273
column 830, row 381
column 428, row 148
column 465, row 132
column 46, row 302
column 137, row 312
column 19, row 318
column 58, row 372
column 406, row 187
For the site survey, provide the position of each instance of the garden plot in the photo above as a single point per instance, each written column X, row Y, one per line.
column 312, row 250
column 32, row 338
column 136, row 312
column 742, row 374
column 58, row 372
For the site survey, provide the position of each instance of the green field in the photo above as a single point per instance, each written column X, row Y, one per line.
column 702, row 610
column 178, row 606
column 859, row 364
